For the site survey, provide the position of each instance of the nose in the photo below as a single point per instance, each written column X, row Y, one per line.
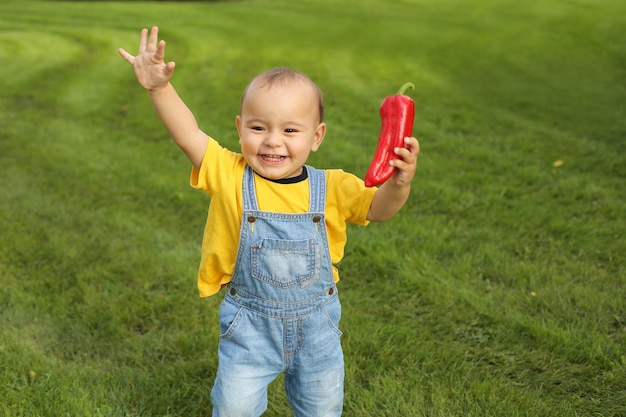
column 272, row 139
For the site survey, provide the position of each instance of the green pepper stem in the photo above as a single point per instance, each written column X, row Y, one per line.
column 406, row 87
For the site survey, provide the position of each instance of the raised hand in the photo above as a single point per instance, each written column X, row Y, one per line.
column 151, row 70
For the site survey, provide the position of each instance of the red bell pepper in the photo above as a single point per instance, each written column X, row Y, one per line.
column 397, row 113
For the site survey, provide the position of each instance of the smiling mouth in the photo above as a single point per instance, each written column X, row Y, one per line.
column 272, row 159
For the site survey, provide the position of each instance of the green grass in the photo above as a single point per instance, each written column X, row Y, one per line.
column 499, row 290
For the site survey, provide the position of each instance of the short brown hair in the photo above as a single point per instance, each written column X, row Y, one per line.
column 285, row 75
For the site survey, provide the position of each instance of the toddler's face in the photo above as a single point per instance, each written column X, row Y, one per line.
column 279, row 127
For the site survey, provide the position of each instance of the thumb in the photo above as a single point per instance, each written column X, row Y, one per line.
column 128, row 57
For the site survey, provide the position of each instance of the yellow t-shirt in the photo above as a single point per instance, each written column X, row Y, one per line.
column 221, row 176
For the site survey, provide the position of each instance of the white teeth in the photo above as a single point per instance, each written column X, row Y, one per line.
column 273, row 157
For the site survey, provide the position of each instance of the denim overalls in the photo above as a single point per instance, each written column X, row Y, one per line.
column 281, row 312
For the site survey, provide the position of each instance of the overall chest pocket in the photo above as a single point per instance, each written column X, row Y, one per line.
column 286, row 263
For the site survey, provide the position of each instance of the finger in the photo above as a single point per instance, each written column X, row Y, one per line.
column 169, row 68
column 405, row 154
column 400, row 164
column 159, row 55
column 412, row 144
column 143, row 40
column 404, row 168
column 154, row 37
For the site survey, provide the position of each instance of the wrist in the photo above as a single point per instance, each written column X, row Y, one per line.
column 158, row 88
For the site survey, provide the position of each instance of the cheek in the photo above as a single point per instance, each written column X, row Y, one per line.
column 244, row 145
column 244, row 140
column 248, row 144
column 301, row 150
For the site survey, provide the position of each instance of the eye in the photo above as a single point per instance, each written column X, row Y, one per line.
column 257, row 128
column 290, row 130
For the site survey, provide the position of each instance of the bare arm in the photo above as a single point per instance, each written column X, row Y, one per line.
column 154, row 74
column 392, row 195
column 180, row 123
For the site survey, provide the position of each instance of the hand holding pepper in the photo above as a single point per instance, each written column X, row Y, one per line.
column 406, row 163
column 397, row 113
column 395, row 160
column 392, row 195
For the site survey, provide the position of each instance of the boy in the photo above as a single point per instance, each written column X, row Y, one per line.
column 274, row 230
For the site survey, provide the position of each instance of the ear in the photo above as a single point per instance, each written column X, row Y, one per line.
column 238, row 124
column 320, row 132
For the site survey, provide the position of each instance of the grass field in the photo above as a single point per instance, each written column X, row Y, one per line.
column 499, row 290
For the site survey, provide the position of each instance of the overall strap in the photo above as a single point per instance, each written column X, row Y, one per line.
column 317, row 189
column 249, row 193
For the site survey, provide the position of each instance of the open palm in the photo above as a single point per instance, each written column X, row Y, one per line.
column 151, row 70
